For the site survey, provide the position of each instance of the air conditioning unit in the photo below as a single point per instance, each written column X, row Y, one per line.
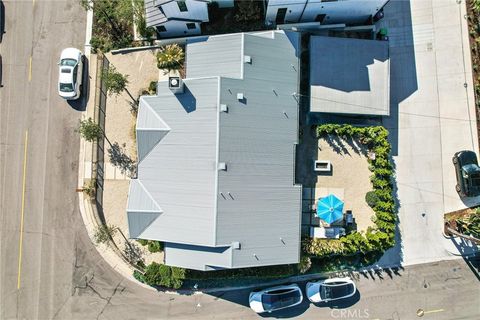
column 175, row 84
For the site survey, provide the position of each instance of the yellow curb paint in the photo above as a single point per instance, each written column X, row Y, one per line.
column 30, row 70
column 23, row 210
column 434, row 311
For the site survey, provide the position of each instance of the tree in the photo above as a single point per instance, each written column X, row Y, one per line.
column 115, row 82
column 247, row 11
column 103, row 233
column 170, row 57
column 89, row 130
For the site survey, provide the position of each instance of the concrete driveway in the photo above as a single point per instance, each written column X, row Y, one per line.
column 432, row 117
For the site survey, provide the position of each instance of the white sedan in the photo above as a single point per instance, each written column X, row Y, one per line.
column 70, row 74
column 276, row 298
column 330, row 289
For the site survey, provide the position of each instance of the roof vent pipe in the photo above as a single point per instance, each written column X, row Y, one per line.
column 175, row 84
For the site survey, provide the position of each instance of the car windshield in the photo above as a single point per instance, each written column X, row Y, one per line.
column 280, row 299
column 68, row 62
column 335, row 291
column 66, row 87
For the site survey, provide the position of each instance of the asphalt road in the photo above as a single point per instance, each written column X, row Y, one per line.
column 38, row 172
column 61, row 275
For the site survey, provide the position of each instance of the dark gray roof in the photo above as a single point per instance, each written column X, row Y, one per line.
column 153, row 15
column 349, row 76
column 204, row 210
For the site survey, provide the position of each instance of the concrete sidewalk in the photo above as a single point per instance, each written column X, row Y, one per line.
column 85, row 204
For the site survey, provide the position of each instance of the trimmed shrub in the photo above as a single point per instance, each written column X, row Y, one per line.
column 139, row 276
column 371, row 198
column 155, row 246
column 143, row 242
column 165, row 276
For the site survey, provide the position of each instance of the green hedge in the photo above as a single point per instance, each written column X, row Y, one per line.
column 162, row 275
column 152, row 246
column 381, row 237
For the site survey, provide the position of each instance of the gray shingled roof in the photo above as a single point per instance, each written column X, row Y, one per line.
column 254, row 202
column 153, row 15
column 349, row 76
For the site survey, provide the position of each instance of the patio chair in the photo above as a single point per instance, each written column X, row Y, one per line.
column 348, row 218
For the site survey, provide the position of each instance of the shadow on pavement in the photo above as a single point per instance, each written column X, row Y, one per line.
column 81, row 104
column 403, row 69
column 472, row 260
column 2, row 20
column 290, row 312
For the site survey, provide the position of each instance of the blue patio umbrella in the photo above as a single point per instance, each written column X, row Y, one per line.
column 330, row 208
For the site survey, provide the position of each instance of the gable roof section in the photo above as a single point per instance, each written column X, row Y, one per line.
column 142, row 209
column 150, row 130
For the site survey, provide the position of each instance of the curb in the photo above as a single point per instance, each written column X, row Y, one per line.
column 88, row 33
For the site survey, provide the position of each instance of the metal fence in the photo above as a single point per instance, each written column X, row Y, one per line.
column 98, row 167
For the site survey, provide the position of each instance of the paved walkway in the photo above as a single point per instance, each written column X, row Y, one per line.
column 433, row 116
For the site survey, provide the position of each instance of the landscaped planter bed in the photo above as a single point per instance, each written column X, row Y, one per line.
column 381, row 237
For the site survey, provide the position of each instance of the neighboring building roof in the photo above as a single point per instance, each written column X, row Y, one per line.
column 153, row 15
column 349, row 76
column 217, row 56
column 248, row 215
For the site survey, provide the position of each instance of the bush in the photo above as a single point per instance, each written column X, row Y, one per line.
column 323, row 247
column 165, row 276
column 248, row 10
column 155, row 246
column 305, row 264
column 152, row 245
column 143, row 242
column 139, row 276
column 170, row 57
column 371, row 198
column 152, row 87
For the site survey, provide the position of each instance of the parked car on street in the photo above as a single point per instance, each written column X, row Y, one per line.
column 468, row 173
column 276, row 298
column 70, row 74
column 330, row 289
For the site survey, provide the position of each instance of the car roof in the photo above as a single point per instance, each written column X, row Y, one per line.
column 65, row 77
column 70, row 53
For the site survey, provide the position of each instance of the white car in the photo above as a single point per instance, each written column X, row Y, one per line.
column 330, row 289
column 275, row 298
column 70, row 74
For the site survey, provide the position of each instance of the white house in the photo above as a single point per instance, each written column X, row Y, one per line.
column 323, row 11
column 173, row 18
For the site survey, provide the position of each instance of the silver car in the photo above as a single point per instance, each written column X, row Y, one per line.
column 70, row 74
column 275, row 298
